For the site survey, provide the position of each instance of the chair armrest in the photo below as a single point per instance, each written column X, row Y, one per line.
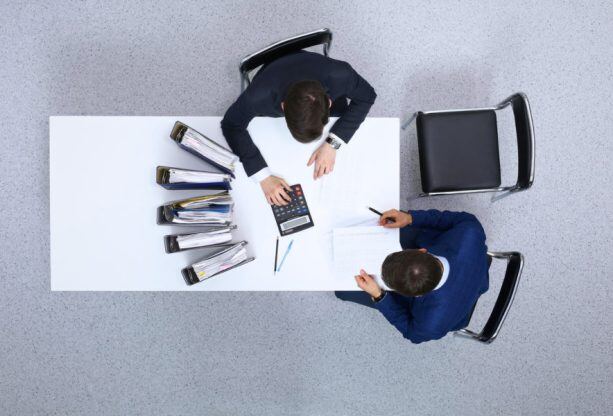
column 515, row 263
column 525, row 138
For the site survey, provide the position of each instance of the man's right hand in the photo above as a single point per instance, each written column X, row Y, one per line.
column 275, row 190
column 395, row 219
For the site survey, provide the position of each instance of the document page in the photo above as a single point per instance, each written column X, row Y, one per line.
column 363, row 247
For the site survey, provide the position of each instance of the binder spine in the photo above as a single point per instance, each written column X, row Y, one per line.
column 177, row 131
column 189, row 275
column 168, row 214
column 170, row 244
column 160, row 217
column 161, row 175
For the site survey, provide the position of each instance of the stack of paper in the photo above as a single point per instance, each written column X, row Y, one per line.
column 209, row 149
column 194, row 176
column 224, row 260
column 207, row 209
column 219, row 236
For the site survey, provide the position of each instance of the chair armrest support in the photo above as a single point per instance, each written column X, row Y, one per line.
column 515, row 262
column 524, row 128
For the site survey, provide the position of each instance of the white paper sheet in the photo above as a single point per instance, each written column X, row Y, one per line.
column 363, row 247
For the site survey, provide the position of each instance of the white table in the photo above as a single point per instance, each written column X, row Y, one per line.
column 104, row 197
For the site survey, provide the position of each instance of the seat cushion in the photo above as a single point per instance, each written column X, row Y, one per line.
column 458, row 150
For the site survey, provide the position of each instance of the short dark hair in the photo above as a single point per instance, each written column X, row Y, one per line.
column 411, row 272
column 306, row 110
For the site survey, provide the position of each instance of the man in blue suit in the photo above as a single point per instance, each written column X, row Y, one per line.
column 436, row 279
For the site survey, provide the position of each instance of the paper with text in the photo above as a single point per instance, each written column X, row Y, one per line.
column 363, row 247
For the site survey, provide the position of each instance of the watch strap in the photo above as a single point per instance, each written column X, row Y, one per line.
column 334, row 142
column 380, row 297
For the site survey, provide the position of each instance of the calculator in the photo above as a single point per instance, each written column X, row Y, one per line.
column 294, row 216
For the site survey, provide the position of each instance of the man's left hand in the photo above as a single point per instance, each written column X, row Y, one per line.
column 368, row 284
column 324, row 158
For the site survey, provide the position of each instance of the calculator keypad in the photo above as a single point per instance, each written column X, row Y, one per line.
column 297, row 207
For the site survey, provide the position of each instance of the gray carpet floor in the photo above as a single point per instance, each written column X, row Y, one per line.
column 307, row 353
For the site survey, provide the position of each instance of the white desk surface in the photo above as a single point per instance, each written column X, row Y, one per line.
column 104, row 197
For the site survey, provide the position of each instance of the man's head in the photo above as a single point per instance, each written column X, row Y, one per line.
column 412, row 272
column 306, row 108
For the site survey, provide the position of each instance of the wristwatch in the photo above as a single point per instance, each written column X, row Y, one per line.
column 378, row 298
column 334, row 142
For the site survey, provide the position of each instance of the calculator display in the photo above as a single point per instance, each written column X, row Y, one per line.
column 295, row 222
column 294, row 216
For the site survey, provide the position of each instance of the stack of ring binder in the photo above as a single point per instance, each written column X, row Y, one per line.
column 211, row 237
column 222, row 261
column 210, row 210
column 213, row 212
column 176, row 178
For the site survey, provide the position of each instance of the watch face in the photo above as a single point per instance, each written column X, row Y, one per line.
column 333, row 142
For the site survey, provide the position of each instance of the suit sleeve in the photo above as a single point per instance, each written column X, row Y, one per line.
column 362, row 97
column 234, row 127
column 400, row 316
column 441, row 220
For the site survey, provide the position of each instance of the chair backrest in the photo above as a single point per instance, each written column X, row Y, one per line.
column 284, row 47
column 515, row 262
column 525, row 138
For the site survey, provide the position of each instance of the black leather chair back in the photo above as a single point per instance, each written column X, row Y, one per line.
column 284, row 47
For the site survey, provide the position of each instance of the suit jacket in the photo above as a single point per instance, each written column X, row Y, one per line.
column 264, row 95
column 459, row 237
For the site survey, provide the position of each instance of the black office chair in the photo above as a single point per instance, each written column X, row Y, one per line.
column 458, row 149
column 281, row 48
column 515, row 264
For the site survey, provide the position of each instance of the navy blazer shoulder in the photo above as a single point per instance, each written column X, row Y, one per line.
column 264, row 95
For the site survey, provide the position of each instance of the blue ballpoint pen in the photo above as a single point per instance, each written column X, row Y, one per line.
column 289, row 247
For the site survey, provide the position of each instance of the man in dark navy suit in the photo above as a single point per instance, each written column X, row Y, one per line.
column 436, row 280
column 305, row 88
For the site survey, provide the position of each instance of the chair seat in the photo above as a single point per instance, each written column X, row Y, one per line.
column 458, row 150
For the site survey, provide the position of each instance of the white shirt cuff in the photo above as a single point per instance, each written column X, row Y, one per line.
column 334, row 136
column 261, row 175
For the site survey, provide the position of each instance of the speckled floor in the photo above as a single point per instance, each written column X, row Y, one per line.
column 307, row 353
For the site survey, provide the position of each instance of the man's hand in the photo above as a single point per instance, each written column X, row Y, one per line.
column 395, row 219
column 368, row 284
column 275, row 190
column 324, row 158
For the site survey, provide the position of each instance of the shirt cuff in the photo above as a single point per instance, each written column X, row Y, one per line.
column 384, row 303
column 261, row 175
column 334, row 136
column 382, row 297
